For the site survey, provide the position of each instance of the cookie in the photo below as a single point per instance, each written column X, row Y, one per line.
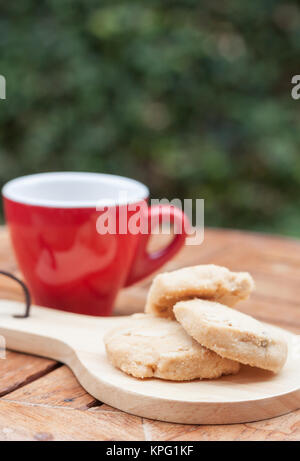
column 232, row 334
column 146, row 347
column 206, row 282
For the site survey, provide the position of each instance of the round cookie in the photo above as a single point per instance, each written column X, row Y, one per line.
column 147, row 347
column 206, row 281
column 232, row 334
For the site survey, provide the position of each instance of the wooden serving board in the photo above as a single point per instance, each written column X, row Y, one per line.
column 76, row 340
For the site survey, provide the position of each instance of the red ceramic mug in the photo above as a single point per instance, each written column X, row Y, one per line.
column 67, row 264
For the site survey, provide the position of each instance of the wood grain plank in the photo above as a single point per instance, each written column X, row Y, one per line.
column 158, row 430
column 103, row 407
column 19, row 369
column 36, row 422
column 58, row 388
column 154, row 430
column 281, row 314
column 284, row 428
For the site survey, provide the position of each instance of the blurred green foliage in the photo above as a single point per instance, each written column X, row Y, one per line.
column 191, row 97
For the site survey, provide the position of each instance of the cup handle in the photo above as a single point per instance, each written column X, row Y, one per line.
column 145, row 263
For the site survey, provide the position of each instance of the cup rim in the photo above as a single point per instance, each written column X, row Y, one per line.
column 12, row 190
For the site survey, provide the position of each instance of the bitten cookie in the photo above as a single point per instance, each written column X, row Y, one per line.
column 232, row 334
column 147, row 347
column 206, row 282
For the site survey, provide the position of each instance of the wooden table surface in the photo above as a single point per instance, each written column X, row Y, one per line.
column 40, row 399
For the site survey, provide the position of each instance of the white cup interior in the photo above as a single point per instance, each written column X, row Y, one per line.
column 74, row 190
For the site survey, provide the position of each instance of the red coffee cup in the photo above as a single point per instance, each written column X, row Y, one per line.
column 53, row 220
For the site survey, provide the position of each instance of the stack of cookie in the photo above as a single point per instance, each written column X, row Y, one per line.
column 189, row 332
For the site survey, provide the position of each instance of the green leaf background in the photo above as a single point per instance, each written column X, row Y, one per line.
column 191, row 97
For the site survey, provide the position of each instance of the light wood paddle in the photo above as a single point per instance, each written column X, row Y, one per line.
column 77, row 341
